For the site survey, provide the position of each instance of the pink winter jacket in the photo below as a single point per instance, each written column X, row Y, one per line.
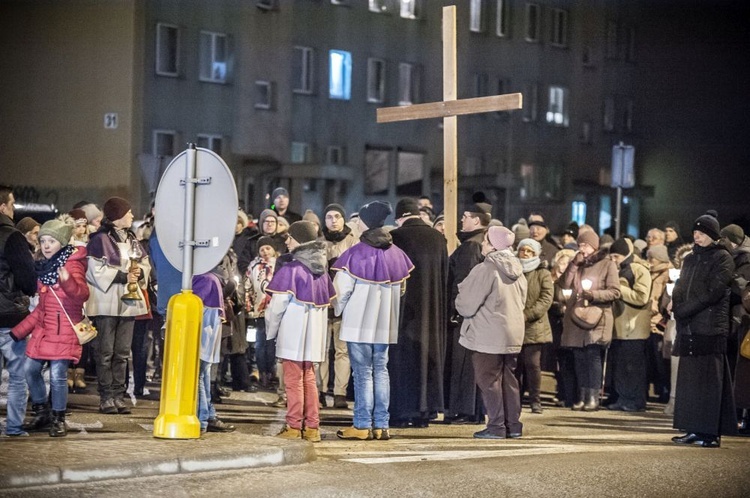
column 52, row 335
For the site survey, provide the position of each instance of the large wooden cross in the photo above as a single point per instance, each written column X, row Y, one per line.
column 448, row 109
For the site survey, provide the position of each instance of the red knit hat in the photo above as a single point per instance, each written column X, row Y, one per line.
column 115, row 208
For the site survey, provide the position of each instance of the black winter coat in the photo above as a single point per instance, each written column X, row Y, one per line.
column 463, row 259
column 700, row 300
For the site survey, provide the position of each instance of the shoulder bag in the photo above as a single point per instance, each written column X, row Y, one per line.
column 85, row 330
column 586, row 317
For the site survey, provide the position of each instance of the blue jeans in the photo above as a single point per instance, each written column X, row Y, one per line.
column 14, row 354
column 206, row 409
column 265, row 350
column 372, row 386
column 58, row 380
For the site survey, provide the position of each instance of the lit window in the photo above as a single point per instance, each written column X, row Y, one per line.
column 532, row 22
column 475, row 16
column 408, row 84
column 211, row 142
column 557, row 109
column 375, row 80
column 578, row 212
column 340, row 75
column 410, row 9
column 164, row 142
column 559, row 28
column 263, row 95
column 302, row 72
column 501, row 24
column 213, row 57
column 167, row 50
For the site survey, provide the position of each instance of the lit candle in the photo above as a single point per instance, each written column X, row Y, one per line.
column 674, row 274
column 586, row 284
column 567, row 293
column 670, row 288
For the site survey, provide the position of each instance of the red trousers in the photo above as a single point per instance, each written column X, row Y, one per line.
column 301, row 394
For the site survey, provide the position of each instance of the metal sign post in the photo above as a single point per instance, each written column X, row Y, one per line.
column 623, row 176
column 196, row 212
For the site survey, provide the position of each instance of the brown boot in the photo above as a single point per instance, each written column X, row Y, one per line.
column 71, row 375
column 312, row 435
column 354, row 433
column 78, row 381
column 289, row 433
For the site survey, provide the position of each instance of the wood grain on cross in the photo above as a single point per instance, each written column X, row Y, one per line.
column 448, row 109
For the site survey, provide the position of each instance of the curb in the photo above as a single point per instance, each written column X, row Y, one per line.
column 291, row 453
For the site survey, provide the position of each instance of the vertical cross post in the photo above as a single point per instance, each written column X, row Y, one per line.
column 450, row 128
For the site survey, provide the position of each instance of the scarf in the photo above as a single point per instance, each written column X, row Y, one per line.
column 46, row 269
column 336, row 236
column 530, row 264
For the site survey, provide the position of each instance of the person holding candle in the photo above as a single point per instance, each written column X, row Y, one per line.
column 594, row 281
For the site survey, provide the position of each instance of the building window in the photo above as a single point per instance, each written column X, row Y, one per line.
column 335, row 155
column 165, row 142
column 530, row 91
column 379, row 6
column 559, row 36
column 585, row 135
column 213, row 57
column 410, row 172
column 609, row 114
column 339, row 74
column 502, row 87
column 475, row 16
column 211, row 142
column 167, row 50
column 539, row 183
column 266, row 4
column 557, row 108
column 375, row 80
column 627, row 117
column 263, row 95
column 300, row 153
column 532, row 22
column 587, row 56
column 611, row 40
column 302, row 72
column 578, row 212
column 410, row 9
column 501, row 20
column 481, row 84
column 377, row 169
column 630, row 45
column 408, row 84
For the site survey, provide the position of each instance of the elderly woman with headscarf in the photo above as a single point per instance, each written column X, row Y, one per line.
column 538, row 331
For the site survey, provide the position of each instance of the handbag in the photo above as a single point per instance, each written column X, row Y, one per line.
column 745, row 346
column 586, row 317
column 85, row 330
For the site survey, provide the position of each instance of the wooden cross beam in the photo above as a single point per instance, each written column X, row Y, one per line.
column 449, row 109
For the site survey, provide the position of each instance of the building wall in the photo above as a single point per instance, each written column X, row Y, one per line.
column 64, row 65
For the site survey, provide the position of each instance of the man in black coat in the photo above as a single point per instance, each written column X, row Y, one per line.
column 463, row 399
column 704, row 406
column 17, row 284
column 416, row 362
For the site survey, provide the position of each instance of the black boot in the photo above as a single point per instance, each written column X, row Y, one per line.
column 592, row 400
column 215, row 395
column 41, row 418
column 578, row 405
column 58, row 429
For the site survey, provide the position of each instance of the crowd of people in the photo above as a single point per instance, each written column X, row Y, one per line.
column 302, row 307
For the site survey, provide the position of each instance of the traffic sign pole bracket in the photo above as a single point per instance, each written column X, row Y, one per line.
column 195, row 243
column 198, row 181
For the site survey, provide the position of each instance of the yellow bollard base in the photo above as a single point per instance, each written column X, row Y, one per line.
column 170, row 426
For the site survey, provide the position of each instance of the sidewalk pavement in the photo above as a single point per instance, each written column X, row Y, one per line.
column 100, row 447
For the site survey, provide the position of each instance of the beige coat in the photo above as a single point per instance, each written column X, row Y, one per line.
column 632, row 311
column 659, row 280
column 491, row 300
column 605, row 289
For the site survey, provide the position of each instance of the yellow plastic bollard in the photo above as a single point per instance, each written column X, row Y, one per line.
column 179, row 388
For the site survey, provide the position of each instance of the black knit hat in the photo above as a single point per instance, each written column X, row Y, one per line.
column 268, row 241
column 622, row 247
column 375, row 213
column 733, row 233
column 303, row 231
column 673, row 225
column 539, row 223
column 709, row 225
column 407, row 206
column 335, row 207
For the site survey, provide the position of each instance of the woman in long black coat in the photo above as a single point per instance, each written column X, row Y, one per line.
column 704, row 407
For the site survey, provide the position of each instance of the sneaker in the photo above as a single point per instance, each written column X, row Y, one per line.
column 536, row 408
column 15, row 434
column 108, row 406
column 289, row 433
column 339, row 401
column 354, row 433
column 279, row 403
column 381, row 434
column 312, row 435
column 121, row 406
column 487, row 434
column 514, row 435
column 216, row 425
